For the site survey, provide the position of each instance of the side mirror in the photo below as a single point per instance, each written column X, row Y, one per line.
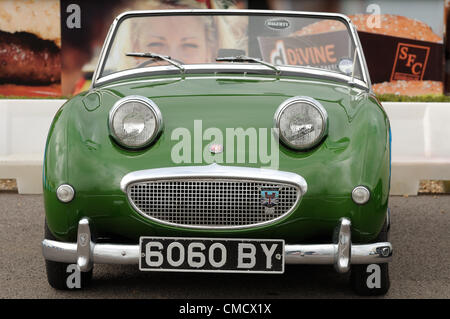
column 345, row 65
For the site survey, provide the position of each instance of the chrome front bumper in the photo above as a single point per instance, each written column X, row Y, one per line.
column 85, row 253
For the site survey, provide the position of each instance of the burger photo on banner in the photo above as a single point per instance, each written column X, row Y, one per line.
column 30, row 48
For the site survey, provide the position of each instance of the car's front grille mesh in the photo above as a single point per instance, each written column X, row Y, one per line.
column 210, row 203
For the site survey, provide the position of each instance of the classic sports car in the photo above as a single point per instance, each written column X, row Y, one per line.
column 222, row 141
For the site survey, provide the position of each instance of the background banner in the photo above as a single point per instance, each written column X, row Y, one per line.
column 50, row 48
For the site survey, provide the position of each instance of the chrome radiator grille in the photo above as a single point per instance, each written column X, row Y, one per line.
column 210, row 203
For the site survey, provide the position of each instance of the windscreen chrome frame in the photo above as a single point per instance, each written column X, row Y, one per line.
column 98, row 80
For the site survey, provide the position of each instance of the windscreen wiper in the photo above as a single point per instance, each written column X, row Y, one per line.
column 157, row 56
column 244, row 58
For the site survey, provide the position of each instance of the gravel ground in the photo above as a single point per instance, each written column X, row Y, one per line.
column 420, row 236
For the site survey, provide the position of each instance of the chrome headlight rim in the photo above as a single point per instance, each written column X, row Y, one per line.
column 310, row 101
column 151, row 106
column 364, row 188
column 68, row 188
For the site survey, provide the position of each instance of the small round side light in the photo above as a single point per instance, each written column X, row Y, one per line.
column 65, row 193
column 360, row 195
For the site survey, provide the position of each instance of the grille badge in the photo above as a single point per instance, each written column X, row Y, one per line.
column 270, row 197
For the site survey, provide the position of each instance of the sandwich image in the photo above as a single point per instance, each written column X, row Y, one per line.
column 30, row 48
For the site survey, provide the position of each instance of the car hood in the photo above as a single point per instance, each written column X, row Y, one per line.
column 200, row 106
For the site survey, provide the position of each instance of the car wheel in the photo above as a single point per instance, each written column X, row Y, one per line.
column 62, row 276
column 372, row 279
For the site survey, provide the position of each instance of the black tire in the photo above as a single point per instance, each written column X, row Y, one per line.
column 57, row 272
column 359, row 274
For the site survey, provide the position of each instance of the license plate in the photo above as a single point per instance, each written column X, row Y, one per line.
column 211, row 255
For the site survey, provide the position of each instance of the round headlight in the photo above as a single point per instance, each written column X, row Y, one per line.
column 135, row 121
column 301, row 121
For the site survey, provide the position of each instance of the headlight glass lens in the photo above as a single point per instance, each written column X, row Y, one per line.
column 135, row 121
column 302, row 122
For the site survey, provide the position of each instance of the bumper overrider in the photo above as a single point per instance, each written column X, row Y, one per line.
column 341, row 253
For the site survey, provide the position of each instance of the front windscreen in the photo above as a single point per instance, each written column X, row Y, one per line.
column 189, row 39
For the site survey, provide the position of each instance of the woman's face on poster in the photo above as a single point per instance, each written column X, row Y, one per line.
column 182, row 38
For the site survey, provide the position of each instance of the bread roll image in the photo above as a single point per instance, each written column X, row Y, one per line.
column 409, row 88
column 391, row 25
column 41, row 18
column 396, row 26
column 30, row 43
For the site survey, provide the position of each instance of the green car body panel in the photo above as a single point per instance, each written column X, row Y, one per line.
column 356, row 151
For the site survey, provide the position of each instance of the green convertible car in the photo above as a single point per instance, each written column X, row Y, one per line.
column 222, row 141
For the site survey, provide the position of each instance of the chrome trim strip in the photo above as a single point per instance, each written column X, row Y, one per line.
column 375, row 253
column 225, row 77
column 361, row 57
column 234, row 12
column 302, row 99
column 100, row 61
column 107, row 44
column 214, row 172
column 229, row 68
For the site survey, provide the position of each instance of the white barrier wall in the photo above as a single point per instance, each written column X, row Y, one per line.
column 420, row 142
column 24, row 126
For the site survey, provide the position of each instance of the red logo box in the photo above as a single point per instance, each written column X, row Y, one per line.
column 410, row 62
